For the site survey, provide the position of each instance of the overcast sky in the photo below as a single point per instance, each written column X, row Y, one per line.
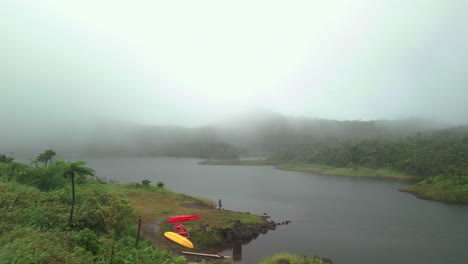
column 194, row 62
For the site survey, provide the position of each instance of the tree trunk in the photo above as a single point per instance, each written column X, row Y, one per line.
column 138, row 234
column 73, row 198
column 12, row 174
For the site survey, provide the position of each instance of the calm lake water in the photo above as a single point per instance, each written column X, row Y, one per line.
column 349, row 220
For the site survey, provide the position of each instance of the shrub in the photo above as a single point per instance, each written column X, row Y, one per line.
column 146, row 182
column 160, row 184
column 88, row 240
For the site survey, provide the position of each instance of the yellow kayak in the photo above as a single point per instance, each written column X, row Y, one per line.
column 178, row 239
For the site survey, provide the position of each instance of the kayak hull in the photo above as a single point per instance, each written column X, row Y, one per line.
column 182, row 218
column 176, row 238
column 181, row 230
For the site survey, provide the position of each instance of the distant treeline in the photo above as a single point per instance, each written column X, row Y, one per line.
column 202, row 150
column 443, row 152
column 246, row 135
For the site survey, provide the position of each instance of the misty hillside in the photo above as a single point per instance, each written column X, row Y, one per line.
column 248, row 134
column 243, row 135
column 270, row 132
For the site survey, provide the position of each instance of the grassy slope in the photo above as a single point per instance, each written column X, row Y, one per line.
column 441, row 189
column 156, row 205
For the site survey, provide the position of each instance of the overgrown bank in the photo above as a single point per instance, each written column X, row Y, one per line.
column 356, row 171
column 84, row 219
column 452, row 190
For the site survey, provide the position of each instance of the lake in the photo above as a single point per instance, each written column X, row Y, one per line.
column 349, row 220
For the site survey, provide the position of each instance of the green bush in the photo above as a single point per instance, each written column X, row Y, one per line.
column 160, row 184
column 42, row 247
column 146, row 182
column 88, row 240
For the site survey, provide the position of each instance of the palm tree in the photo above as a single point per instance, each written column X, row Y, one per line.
column 76, row 168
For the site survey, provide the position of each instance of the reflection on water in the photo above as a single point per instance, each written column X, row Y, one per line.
column 237, row 252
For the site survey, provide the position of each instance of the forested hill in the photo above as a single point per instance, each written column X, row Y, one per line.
column 249, row 134
column 431, row 153
column 243, row 135
column 271, row 132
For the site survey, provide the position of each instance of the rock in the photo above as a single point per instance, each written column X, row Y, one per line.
column 272, row 225
column 283, row 261
column 264, row 229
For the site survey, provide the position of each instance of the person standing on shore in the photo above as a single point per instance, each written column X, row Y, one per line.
column 219, row 204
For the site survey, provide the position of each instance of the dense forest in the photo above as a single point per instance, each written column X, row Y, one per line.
column 432, row 153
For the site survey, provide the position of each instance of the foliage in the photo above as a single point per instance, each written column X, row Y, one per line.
column 441, row 188
column 160, row 184
column 355, row 171
column 6, row 159
column 425, row 155
column 46, row 157
column 146, row 182
column 34, row 209
column 104, row 221
column 44, row 178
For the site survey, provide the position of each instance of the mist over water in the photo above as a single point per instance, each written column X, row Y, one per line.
column 155, row 63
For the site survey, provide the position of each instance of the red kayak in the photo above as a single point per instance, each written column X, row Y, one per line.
column 181, row 230
column 182, row 218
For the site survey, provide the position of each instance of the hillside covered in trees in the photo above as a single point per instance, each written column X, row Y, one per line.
column 432, row 153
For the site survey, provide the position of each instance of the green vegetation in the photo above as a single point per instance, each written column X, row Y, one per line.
column 101, row 225
column 423, row 155
column 354, row 171
column 35, row 225
column 239, row 162
column 438, row 158
column 316, row 168
column 46, row 157
column 292, row 259
column 155, row 204
column 451, row 189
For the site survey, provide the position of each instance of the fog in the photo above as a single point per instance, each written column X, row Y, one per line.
column 66, row 66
